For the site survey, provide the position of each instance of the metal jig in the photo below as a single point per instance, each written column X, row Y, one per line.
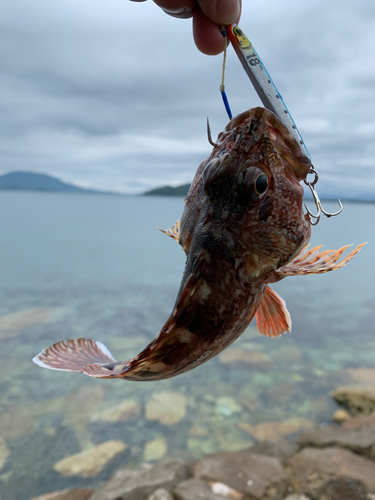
column 317, row 201
column 272, row 100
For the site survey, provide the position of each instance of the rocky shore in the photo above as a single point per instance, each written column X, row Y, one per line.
column 333, row 462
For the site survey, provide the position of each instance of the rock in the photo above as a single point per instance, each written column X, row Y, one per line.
column 227, row 406
column 356, row 399
column 311, row 468
column 88, row 463
column 273, row 431
column 57, row 495
column 361, row 421
column 343, row 488
column 289, row 354
column 4, row 452
column 194, row 489
column 77, row 409
column 155, row 450
column 160, row 494
column 139, row 483
column 224, row 490
column 283, row 450
column 364, row 375
column 13, row 324
column 361, row 441
column 296, row 496
column 79, row 404
column 198, row 431
column 166, row 407
column 76, row 494
column 253, row 475
column 126, row 411
column 281, row 393
column 16, row 423
column 235, row 357
column 340, row 416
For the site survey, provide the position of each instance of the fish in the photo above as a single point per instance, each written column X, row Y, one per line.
column 242, row 228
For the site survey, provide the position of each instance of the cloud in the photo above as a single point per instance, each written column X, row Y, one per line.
column 115, row 95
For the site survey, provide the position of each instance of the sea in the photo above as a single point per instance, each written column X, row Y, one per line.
column 96, row 266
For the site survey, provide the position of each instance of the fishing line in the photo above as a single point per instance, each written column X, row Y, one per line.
column 222, row 86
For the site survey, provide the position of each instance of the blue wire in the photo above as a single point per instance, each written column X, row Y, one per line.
column 226, row 104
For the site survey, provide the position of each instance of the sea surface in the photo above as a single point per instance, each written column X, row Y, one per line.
column 97, row 267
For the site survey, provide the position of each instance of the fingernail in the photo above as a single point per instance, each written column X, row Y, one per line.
column 181, row 13
column 228, row 10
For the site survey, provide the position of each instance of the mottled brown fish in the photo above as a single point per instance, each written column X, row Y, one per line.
column 243, row 227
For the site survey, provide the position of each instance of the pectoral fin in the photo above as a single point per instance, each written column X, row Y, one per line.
column 313, row 262
column 272, row 316
column 173, row 232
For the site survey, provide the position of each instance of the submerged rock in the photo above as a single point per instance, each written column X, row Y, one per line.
column 273, row 431
column 76, row 494
column 139, row 483
column 155, row 450
column 356, row 399
column 90, row 462
column 4, row 452
column 13, row 324
column 166, row 407
column 128, row 411
column 234, row 358
column 227, row 406
column 340, row 416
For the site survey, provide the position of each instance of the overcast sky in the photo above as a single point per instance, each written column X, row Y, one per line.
column 110, row 94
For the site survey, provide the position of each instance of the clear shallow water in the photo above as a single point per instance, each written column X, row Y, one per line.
column 96, row 266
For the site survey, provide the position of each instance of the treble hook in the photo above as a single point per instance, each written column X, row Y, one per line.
column 317, row 201
column 209, row 135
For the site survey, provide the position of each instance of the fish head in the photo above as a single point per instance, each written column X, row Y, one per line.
column 247, row 196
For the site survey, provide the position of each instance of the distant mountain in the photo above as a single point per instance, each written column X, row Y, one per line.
column 169, row 191
column 30, row 181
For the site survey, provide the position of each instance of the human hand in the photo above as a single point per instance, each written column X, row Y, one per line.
column 208, row 16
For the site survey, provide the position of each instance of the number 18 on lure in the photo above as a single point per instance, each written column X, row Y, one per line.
column 262, row 81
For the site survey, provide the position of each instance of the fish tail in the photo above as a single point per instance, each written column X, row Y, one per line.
column 74, row 355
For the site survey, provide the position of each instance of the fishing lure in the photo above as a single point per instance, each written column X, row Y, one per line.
column 272, row 100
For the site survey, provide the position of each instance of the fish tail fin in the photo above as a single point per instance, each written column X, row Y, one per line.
column 272, row 316
column 75, row 355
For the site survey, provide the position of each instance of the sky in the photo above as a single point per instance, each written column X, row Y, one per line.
column 114, row 95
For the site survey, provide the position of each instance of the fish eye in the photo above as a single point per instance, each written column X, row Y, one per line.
column 252, row 183
column 261, row 184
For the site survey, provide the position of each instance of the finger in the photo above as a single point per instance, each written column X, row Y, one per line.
column 182, row 9
column 221, row 11
column 207, row 35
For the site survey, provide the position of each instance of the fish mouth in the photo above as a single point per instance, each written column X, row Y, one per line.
column 262, row 120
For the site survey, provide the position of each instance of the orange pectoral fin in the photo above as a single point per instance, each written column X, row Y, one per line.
column 173, row 232
column 272, row 316
column 313, row 262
